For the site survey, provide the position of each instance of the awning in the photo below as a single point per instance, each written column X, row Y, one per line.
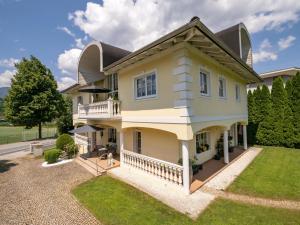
column 94, row 89
column 85, row 129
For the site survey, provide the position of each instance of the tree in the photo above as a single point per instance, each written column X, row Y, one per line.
column 295, row 106
column 1, row 107
column 263, row 104
column 251, row 128
column 277, row 128
column 33, row 98
column 65, row 121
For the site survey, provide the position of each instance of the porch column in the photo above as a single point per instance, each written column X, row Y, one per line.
column 121, row 146
column 186, row 166
column 245, row 136
column 225, row 145
column 236, row 138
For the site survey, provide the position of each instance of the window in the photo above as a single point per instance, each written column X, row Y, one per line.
column 237, row 93
column 204, row 83
column 222, row 87
column 145, row 86
column 137, row 142
column 202, row 142
column 112, row 135
column 79, row 100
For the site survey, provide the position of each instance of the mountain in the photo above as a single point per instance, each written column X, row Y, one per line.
column 3, row 91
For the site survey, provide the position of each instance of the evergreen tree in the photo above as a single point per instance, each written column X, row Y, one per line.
column 256, row 96
column 33, row 98
column 295, row 105
column 271, row 130
column 251, row 128
column 263, row 104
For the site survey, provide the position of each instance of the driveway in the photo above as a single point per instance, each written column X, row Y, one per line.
column 30, row 194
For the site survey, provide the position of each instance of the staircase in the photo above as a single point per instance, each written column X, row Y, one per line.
column 90, row 166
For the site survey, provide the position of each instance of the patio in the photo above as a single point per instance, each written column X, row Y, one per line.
column 212, row 167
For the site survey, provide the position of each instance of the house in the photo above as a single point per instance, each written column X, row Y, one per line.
column 180, row 97
column 268, row 77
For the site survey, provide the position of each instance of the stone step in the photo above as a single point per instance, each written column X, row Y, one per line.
column 90, row 166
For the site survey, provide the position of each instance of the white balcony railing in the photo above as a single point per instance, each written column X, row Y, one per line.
column 104, row 109
column 166, row 170
column 82, row 140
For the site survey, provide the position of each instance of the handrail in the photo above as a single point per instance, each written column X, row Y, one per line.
column 166, row 170
column 108, row 109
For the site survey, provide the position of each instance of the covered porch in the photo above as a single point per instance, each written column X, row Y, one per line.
column 161, row 154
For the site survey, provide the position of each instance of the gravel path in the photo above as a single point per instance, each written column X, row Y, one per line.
column 286, row 204
column 30, row 194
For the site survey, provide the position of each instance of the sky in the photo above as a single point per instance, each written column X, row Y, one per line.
column 56, row 31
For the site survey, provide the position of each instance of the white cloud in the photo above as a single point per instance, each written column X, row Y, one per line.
column 265, row 52
column 79, row 43
column 5, row 78
column 127, row 24
column 67, row 61
column 8, row 63
column 284, row 43
column 67, row 31
column 65, row 82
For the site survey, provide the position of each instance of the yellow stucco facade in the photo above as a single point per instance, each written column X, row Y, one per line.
column 178, row 110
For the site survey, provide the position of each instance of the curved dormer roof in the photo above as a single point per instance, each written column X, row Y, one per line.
column 238, row 39
column 94, row 57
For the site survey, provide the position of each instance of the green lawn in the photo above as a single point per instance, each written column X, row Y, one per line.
column 11, row 134
column 114, row 202
column 275, row 173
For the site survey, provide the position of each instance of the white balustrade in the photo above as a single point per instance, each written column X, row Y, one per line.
column 104, row 109
column 166, row 170
column 82, row 140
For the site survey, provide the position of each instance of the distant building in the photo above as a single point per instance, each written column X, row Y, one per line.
column 268, row 77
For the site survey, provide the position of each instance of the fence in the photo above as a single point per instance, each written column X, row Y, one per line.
column 17, row 134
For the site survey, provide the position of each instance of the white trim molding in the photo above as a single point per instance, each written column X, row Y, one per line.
column 181, row 119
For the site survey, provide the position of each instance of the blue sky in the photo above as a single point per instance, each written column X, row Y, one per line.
column 55, row 31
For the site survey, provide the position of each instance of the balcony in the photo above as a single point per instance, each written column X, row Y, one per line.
column 109, row 109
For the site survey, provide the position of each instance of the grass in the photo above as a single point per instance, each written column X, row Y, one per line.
column 114, row 203
column 11, row 134
column 275, row 173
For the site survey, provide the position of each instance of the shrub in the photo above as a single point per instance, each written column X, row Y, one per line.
column 63, row 140
column 71, row 149
column 52, row 155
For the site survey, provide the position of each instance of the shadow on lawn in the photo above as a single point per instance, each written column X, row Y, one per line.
column 5, row 165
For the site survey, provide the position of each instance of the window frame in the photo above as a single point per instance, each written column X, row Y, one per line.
column 224, row 87
column 207, row 139
column 207, row 73
column 144, row 77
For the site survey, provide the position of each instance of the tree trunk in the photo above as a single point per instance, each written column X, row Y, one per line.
column 40, row 130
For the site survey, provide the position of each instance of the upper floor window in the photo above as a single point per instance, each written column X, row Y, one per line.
column 222, row 87
column 202, row 142
column 145, row 86
column 204, row 83
column 237, row 93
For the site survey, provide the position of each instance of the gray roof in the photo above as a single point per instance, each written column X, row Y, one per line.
column 112, row 53
column 230, row 36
